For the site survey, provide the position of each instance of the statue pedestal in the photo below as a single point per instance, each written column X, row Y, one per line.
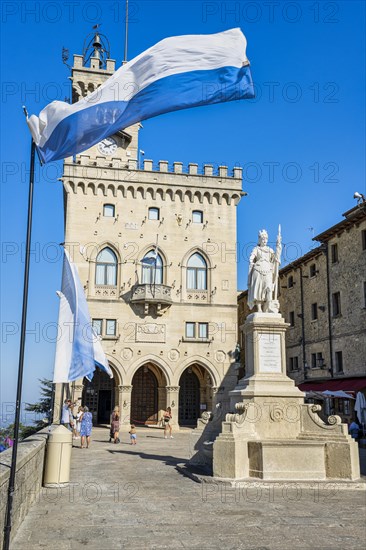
column 273, row 434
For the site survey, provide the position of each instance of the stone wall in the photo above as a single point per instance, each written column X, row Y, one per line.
column 28, row 480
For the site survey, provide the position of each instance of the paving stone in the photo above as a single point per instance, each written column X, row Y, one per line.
column 123, row 497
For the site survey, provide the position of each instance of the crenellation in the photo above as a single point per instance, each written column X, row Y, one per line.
column 208, row 170
column 193, row 168
column 178, row 167
column 148, row 165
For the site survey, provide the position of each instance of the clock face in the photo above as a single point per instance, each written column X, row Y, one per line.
column 108, row 146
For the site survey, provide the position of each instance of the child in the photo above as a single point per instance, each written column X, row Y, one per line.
column 132, row 433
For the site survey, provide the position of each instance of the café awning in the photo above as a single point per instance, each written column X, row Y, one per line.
column 345, row 384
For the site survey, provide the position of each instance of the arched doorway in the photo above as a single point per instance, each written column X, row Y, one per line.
column 99, row 396
column 189, row 398
column 144, row 397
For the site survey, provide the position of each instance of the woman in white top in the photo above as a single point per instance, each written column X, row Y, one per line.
column 78, row 424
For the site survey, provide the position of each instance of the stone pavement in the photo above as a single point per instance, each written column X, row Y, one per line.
column 133, row 497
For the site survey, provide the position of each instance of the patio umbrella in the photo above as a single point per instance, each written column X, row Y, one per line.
column 339, row 394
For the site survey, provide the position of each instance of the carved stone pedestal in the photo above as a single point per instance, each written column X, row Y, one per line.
column 273, row 434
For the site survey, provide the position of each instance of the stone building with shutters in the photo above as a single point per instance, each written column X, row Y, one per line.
column 323, row 300
column 168, row 327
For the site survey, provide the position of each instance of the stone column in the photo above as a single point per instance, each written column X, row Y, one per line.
column 124, row 399
column 161, row 401
column 57, row 404
column 172, row 401
column 78, row 392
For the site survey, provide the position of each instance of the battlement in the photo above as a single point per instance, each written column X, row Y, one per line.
column 162, row 166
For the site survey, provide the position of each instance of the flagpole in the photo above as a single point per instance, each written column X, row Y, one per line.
column 11, row 486
column 126, row 35
column 156, row 259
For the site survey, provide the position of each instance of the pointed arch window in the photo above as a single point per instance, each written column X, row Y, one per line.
column 196, row 273
column 152, row 269
column 106, row 268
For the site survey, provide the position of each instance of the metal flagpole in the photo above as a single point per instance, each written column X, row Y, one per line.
column 126, row 35
column 277, row 264
column 156, row 258
column 11, row 487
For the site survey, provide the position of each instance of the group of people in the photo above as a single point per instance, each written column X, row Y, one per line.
column 166, row 420
column 79, row 422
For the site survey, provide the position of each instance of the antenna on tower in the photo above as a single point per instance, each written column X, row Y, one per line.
column 126, row 35
column 65, row 57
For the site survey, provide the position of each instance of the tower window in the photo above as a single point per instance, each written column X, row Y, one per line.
column 294, row 363
column 338, row 361
column 197, row 216
column 108, row 210
column 154, row 214
column 196, row 273
column 336, row 299
column 334, row 253
column 152, row 269
column 111, row 325
column 190, row 330
column 312, row 270
column 106, row 268
column 97, row 326
column 292, row 318
column 203, row 330
column 290, row 282
column 314, row 312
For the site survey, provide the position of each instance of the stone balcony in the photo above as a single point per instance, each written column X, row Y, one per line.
column 150, row 294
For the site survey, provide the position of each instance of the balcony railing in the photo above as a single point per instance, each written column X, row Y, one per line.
column 149, row 294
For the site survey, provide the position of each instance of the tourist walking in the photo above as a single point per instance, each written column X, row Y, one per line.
column 167, row 418
column 115, row 425
column 133, row 435
column 86, row 424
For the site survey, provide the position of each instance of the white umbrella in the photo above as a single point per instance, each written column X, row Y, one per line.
column 338, row 394
column 360, row 407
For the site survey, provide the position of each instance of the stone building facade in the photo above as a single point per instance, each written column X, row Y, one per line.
column 323, row 299
column 168, row 330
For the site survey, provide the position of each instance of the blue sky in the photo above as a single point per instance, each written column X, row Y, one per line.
column 301, row 142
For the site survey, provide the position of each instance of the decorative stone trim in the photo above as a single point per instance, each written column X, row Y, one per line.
column 125, row 389
column 171, row 389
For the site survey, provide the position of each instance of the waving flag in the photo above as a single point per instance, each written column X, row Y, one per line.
column 78, row 348
column 151, row 257
column 177, row 73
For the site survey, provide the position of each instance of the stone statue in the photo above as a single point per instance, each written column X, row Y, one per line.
column 263, row 274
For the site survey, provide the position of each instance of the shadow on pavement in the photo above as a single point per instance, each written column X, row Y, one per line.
column 168, row 460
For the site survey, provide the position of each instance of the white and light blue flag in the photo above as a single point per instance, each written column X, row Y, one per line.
column 78, row 348
column 150, row 258
column 177, row 73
